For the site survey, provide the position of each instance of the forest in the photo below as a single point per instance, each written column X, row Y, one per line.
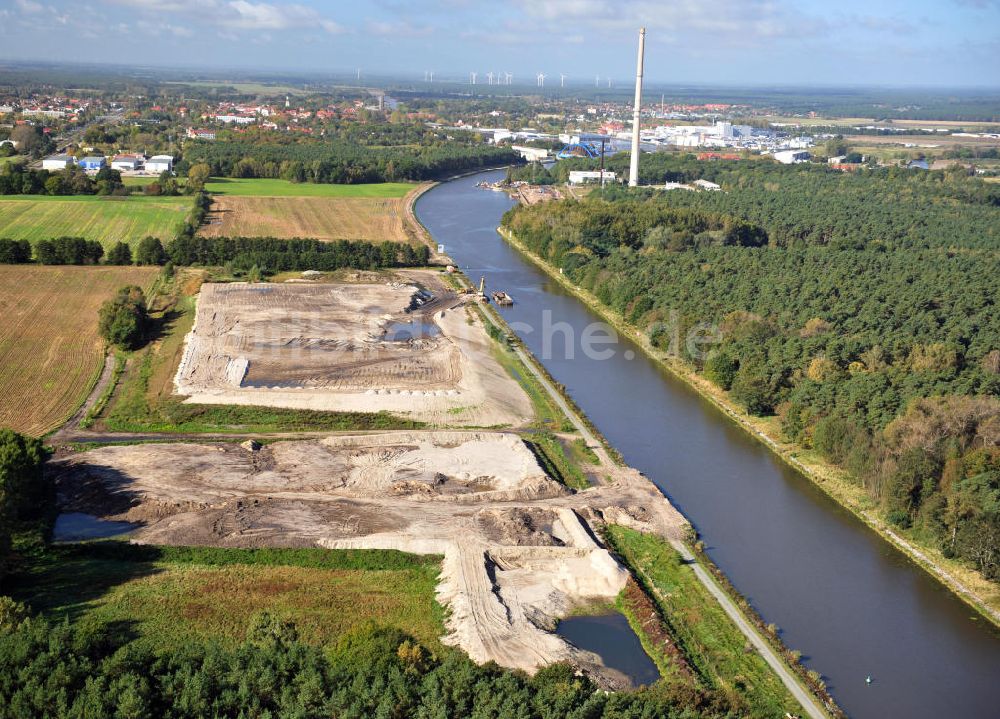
column 341, row 160
column 860, row 310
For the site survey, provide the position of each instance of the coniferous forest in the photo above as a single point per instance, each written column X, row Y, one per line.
column 859, row 309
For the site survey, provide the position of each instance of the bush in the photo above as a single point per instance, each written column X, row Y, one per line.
column 721, row 369
column 150, row 252
column 14, row 252
column 22, row 488
column 123, row 318
column 69, row 251
column 120, row 254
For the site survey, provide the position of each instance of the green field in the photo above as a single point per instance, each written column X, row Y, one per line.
column 105, row 219
column 284, row 188
column 172, row 596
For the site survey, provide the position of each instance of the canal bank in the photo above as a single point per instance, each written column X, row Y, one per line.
column 839, row 593
column 650, row 616
column 831, row 480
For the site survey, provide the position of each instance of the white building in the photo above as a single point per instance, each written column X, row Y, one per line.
column 236, row 119
column 531, row 154
column 676, row 186
column 790, row 157
column 160, row 163
column 706, row 185
column 579, row 177
column 58, row 162
column 127, row 163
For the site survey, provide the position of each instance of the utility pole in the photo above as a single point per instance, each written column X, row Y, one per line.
column 633, row 173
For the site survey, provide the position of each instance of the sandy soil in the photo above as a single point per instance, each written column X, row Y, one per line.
column 519, row 549
column 343, row 347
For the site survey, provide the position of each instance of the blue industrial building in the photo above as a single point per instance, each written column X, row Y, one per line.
column 93, row 163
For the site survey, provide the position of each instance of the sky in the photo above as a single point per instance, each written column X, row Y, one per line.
column 725, row 42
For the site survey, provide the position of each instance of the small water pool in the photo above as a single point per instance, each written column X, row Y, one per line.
column 610, row 637
column 78, row 527
column 405, row 331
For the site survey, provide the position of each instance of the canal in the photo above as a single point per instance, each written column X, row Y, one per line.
column 851, row 603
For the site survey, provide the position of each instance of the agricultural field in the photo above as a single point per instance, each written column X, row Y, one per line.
column 284, row 188
column 172, row 596
column 323, row 218
column 50, row 352
column 105, row 219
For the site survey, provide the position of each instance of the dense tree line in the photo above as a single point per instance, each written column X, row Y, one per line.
column 16, row 178
column 267, row 254
column 57, row 671
column 278, row 255
column 341, row 162
column 870, row 330
column 816, row 205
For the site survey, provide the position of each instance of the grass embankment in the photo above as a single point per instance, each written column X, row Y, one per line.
column 172, row 596
column 144, row 399
column 560, row 459
column 240, row 187
column 970, row 586
column 716, row 651
column 50, row 351
column 105, row 219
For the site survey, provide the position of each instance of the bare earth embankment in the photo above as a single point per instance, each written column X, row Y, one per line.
column 518, row 551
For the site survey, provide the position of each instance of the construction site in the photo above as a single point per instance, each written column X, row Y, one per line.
column 519, row 550
column 405, row 345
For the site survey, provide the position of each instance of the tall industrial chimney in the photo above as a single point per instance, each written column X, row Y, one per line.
column 633, row 173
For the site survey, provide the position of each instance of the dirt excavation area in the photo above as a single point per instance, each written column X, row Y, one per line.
column 406, row 345
column 519, row 549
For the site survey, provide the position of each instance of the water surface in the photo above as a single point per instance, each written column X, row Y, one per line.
column 845, row 598
column 611, row 638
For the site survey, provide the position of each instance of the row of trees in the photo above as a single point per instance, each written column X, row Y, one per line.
column 341, row 162
column 846, row 340
column 78, row 251
column 16, row 178
column 271, row 255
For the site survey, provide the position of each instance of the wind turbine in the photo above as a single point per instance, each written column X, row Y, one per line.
column 562, row 79
column 540, row 78
column 472, row 78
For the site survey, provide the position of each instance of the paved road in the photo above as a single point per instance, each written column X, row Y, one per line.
column 804, row 697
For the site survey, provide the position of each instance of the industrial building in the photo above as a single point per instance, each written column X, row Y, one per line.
column 791, row 157
column 160, row 163
column 93, row 162
column 580, row 177
column 58, row 162
column 127, row 163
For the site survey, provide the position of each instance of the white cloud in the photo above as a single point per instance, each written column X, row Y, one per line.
column 230, row 15
column 29, row 6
